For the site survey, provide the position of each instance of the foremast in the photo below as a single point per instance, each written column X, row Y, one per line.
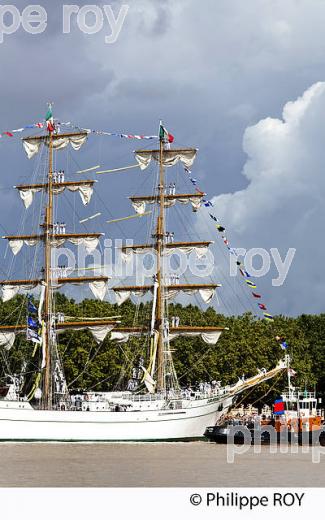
column 47, row 337
column 54, row 141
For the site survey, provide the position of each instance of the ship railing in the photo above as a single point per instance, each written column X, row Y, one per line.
column 189, row 395
column 287, row 396
column 184, row 394
column 142, row 397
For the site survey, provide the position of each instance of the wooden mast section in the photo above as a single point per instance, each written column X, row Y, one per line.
column 48, row 229
column 50, row 137
column 160, row 310
column 162, row 199
column 48, row 232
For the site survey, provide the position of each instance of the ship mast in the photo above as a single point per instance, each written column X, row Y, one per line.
column 48, row 229
column 158, row 358
column 50, row 237
column 160, row 311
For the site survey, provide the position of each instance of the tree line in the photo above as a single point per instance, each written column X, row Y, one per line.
column 246, row 345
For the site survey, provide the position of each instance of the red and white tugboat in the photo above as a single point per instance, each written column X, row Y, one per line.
column 297, row 418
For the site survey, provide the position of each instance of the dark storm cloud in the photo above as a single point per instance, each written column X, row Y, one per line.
column 209, row 69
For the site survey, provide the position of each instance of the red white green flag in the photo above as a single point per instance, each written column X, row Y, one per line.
column 164, row 135
column 50, row 120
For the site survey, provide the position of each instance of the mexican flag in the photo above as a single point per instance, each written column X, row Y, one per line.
column 50, row 120
column 164, row 135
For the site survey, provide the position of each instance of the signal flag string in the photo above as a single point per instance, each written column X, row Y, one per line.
column 241, row 267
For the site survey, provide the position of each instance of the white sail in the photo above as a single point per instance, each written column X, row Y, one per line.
column 85, row 191
column 41, row 302
column 122, row 295
column 139, row 205
column 32, row 146
column 123, row 337
column 211, row 338
column 43, row 336
column 27, row 195
column 154, row 305
column 7, row 339
column 171, row 157
column 199, row 250
column 90, row 243
column 148, row 381
column 10, row 291
column 99, row 332
column 98, row 288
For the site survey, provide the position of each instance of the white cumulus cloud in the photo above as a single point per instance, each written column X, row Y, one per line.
column 283, row 204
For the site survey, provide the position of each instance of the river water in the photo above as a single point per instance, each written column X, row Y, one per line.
column 153, row 465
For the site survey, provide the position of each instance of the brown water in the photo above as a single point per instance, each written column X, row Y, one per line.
column 150, row 465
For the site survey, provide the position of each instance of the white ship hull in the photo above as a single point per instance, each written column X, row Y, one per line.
column 146, row 420
column 28, row 424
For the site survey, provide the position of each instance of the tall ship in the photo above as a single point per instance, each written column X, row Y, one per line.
column 38, row 406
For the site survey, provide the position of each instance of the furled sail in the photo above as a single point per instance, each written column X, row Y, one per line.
column 7, row 339
column 85, row 190
column 99, row 332
column 10, row 291
column 27, row 195
column 97, row 285
column 139, row 203
column 16, row 245
column 99, row 289
column 148, row 381
column 170, row 157
column 89, row 241
column 123, row 295
column 32, row 145
column 209, row 337
column 123, row 337
column 154, row 306
column 200, row 248
column 206, row 292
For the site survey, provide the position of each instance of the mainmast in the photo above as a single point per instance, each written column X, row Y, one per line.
column 160, row 310
column 161, row 288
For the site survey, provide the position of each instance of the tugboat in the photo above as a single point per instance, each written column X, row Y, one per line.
column 296, row 418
